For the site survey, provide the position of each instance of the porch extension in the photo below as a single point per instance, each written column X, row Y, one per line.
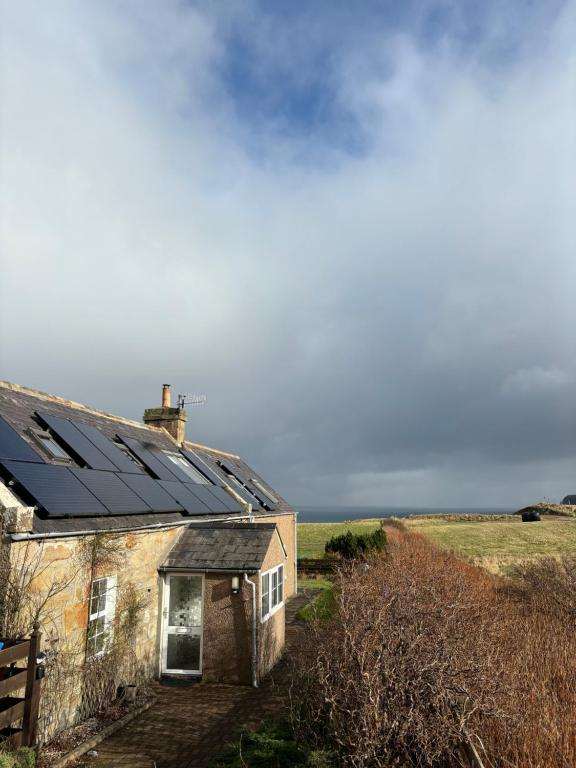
column 190, row 725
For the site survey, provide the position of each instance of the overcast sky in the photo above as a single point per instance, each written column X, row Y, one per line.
column 352, row 225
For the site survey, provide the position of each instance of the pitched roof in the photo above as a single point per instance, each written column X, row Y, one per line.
column 18, row 406
column 221, row 547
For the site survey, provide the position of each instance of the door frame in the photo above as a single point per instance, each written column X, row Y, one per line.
column 164, row 624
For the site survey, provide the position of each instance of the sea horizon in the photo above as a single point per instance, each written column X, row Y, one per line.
column 332, row 513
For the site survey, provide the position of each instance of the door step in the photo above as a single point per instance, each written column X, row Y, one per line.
column 180, row 681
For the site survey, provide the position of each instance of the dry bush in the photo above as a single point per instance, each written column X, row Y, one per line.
column 548, row 585
column 427, row 653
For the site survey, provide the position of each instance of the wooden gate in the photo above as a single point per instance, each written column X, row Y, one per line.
column 17, row 675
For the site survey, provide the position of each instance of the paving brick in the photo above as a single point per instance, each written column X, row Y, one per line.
column 189, row 725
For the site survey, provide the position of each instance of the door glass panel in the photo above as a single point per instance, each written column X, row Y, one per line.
column 185, row 609
column 183, row 652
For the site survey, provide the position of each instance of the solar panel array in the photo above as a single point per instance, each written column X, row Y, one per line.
column 107, row 480
column 76, row 444
column 258, row 493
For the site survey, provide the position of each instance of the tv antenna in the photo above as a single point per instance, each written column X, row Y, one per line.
column 191, row 400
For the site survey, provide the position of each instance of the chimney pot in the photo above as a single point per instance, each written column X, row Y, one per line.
column 165, row 395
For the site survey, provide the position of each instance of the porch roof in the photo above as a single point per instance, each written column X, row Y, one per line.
column 221, row 547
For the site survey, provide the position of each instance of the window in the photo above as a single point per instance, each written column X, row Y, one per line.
column 272, row 591
column 50, row 446
column 101, row 615
column 185, row 465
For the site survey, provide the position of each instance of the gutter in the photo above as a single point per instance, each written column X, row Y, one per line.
column 254, row 635
column 153, row 527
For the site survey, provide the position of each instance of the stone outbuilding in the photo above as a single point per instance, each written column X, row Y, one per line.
column 144, row 554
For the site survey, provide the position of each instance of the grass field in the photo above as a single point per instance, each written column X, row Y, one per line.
column 313, row 536
column 495, row 545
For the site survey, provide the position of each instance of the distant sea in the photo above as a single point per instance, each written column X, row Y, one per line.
column 333, row 514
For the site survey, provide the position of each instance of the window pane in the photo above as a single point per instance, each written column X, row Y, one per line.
column 53, row 447
column 265, row 584
column 265, row 604
column 185, row 609
column 185, row 465
column 281, row 584
column 183, row 652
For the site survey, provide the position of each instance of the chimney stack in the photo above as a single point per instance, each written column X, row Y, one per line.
column 172, row 419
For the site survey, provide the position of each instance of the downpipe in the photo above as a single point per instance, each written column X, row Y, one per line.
column 254, row 633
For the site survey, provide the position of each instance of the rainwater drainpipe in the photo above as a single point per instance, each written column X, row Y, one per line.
column 254, row 643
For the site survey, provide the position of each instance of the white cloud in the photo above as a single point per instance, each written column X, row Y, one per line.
column 351, row 311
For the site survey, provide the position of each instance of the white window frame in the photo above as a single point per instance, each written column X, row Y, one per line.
column 45, row 441
column 107, row 613
column 275, row 593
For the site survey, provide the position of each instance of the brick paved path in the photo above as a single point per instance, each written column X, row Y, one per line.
column 189, row 725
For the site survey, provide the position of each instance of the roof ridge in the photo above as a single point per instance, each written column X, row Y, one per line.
column 73, row 404
column 208, row 448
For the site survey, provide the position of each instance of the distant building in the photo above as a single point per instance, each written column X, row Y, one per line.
column 571, row 499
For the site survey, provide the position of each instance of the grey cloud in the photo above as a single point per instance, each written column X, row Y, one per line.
column 397, row 325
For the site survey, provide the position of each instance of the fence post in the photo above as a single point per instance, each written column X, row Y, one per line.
column 31, row 706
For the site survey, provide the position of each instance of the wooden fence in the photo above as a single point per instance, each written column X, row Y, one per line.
column 16, row 677
column 317, row 565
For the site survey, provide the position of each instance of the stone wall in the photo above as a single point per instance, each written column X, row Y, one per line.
column 64, row 617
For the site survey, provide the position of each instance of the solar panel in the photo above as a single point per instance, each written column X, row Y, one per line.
column 149, row 459
column 108, row 448
column 158, row 499
column 181, row 493
column 108, row 488
column 204, row 493
column 76, row 443
column 269, row 498
column 203, row 467
column 226, row 499
column 12, row 446
column 262, row 497
column 55, row 489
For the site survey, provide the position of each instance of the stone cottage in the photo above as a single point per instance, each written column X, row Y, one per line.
column 115, row 530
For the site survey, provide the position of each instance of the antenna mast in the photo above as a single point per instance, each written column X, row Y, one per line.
column 191, row 400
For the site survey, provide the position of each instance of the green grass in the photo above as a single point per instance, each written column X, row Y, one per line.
column 323, row 606
column 313, row 536
column 308, row 582
column 498, row 544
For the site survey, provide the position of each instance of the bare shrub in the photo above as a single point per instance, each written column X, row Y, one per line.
column 22, row 606
column 548, row 584
column 427, row 653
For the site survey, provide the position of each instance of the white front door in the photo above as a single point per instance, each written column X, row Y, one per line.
column 182, row 624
